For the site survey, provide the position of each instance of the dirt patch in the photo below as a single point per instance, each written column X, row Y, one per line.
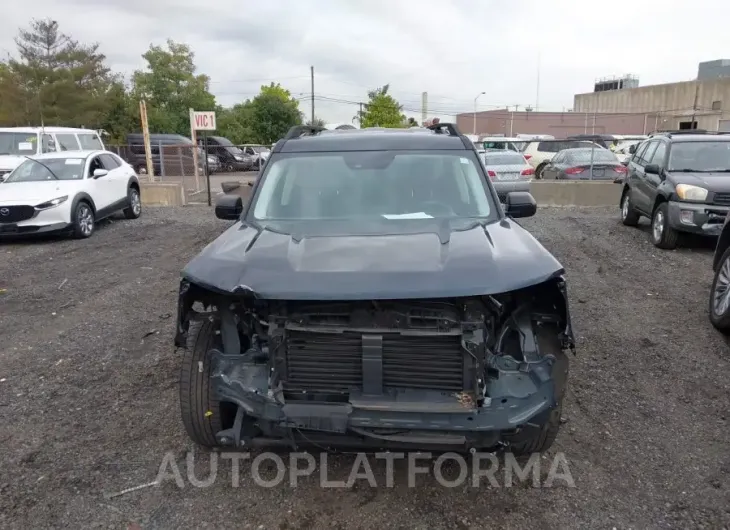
column 88, row 397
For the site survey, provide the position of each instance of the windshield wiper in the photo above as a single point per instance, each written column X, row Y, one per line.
column 45, row 166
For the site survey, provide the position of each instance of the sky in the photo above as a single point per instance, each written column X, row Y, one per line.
column 498, row 52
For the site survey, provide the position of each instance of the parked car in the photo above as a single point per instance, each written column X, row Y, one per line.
column 539, row 152
column 374, row 280
column 172, row 154
column 584, row 163
column 625, row 149
column 231, row 157
column 16, row 143
column 67, row 192
column 501, row 143
column 681, row 181
column 604, row 140
column 509, row 171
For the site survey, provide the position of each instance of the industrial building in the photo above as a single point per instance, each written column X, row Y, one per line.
column 702, row 103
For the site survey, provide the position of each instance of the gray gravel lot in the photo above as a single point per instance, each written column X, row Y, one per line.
column 88, row 395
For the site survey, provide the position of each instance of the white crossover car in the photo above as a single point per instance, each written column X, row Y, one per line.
column 67, row 192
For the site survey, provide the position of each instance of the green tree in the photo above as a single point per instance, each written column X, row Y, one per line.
column 317, row 122
column 381, row 110
column 54, row 79
column 122, row 114
column 234, row 123
column 171, row 87
column 272, row 112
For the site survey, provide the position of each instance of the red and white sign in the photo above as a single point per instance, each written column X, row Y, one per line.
column 203, row 120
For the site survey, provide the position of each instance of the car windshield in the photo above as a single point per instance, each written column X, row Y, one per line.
column 700, row 156
column 60, row 169
column 504, row 159
column 372, row 186
column 15, row 143
column 583, row 156
column 494, row 145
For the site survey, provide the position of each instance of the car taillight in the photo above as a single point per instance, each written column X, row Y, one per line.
column 491, row 174
column 528, row 171
column 527, row 157
column 574, row 170
column 620, row 169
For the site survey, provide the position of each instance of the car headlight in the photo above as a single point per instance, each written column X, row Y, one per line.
column 687, row 192
column 238, row 158
column 52, row 203
column 211, row 160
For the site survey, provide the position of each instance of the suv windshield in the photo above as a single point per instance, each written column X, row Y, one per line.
column 700, row 156
column 372, row 185
column 60, row 168
column 15, row 143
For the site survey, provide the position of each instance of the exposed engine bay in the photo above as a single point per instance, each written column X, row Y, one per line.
column 435, row 372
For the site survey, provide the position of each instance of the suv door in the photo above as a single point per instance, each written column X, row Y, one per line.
column 100, row 189
column 643, row 196
column 650, row 183
column 118, row 175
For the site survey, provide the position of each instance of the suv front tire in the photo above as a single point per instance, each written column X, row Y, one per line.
column 662, row 235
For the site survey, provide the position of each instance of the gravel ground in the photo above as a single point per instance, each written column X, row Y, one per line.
column 88, row 395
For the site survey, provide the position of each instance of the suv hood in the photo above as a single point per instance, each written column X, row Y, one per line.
column 717, row 182
column 35, row 192
column 481, row 260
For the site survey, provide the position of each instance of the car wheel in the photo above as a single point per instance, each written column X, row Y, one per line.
column 720, row 295
column 540, row 439
column 134, row 210
column 538, row 171
column 663, row 235
column 201, row 412
column 229, row 168
column 83, row 220
column 629, row 216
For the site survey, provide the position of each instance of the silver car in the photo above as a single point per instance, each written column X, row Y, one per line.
column 509, row 171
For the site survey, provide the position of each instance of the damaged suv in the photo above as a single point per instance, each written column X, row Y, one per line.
column 373, row 294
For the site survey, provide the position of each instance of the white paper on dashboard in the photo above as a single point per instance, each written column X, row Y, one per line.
column 416, row 215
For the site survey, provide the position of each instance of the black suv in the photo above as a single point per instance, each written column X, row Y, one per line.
column 374, row 294
column 681, row 181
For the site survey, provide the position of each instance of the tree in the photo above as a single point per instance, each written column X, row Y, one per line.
column 382, row 110
column 317, row 122
column 273, row 112
column 235, row 123
column 54, row 79
column 171, row 87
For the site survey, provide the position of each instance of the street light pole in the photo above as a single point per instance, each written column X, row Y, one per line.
column 475, row 111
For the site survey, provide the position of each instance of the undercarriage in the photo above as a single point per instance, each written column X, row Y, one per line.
column 481, row 372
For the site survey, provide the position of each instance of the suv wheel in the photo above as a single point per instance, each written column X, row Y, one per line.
column 663, row 235
column 201, row 413
column 134, row 210
column 629, row 216
column 83, row 220
column 538, row 171
column 720, row 295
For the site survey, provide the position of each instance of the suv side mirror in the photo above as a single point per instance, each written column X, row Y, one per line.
column 652, row 169
column 100, row 173
column 520, row 204
column 229, row 207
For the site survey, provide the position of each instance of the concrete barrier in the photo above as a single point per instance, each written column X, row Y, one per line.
column 575, row 193
column 162, row 194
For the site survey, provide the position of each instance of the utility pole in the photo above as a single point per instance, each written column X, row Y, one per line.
column 359, row 116
column 512, row 120
column 694, row 107
column 475, row 111
column 537, row 95
column 594, row 123
column 311, row 71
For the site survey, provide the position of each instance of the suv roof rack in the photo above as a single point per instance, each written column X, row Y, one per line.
column 303, row 130
column 680, row 132
column 450, row 128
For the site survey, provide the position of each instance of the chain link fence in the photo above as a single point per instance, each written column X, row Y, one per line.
column 176, row 163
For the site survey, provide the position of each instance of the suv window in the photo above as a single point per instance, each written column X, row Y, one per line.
column 659, row 154
column 648, row 153
column 640, row 152
column 90, row 141
column 67, row 142
column 372, row 186
column 94, row 165
column 109, row 162
column 548, row 147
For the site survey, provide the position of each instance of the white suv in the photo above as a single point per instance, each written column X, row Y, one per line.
column 67, row 192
